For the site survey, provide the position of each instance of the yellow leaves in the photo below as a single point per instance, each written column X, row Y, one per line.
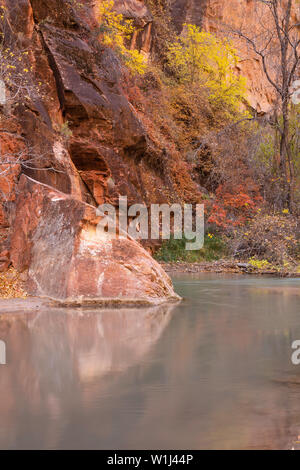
column 114, row 31
column 135, row 61
column 285, row 211
column 110, row 18
column 202, row 59
column 260, row 264
column 15, row 73
column 2, row 12
column 273, row 239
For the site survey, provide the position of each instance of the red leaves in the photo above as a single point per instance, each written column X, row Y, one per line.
column 234, row 206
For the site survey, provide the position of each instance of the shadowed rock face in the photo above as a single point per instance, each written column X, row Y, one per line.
column 87, row 146
column 55, row 237
column 134, row 9
column 187, row 11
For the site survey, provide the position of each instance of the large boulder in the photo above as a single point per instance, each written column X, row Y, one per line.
column 55, row 238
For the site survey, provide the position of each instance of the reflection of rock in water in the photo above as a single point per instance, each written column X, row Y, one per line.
column 59, row 344
column 55, row 356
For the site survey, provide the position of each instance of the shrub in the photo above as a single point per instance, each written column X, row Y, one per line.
column 114, row 31
column 16, row 78
column 273, row 238
column 65, row 130
column 234, row 205
column 259, row 263
column 174, row 250
column 200, row 58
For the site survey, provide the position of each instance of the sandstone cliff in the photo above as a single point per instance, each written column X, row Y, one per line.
column 79, row 136
column 85, row 138
column 219, row 17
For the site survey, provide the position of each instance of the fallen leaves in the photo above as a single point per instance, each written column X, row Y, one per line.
column 10, row 285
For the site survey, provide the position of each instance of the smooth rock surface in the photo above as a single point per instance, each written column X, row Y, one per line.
column 55, row 237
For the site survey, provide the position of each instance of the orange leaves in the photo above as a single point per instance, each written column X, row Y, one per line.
column 10, row 285
column 234, row 206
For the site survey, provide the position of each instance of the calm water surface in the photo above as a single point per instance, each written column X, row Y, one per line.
column 213, row 372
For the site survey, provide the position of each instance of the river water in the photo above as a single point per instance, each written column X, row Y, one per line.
column 213, row 372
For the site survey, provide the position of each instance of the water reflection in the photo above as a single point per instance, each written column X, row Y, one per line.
column 54, row 357
column 250, row 390
column 213, row 372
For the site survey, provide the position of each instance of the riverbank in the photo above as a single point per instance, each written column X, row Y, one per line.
column 12, row 283
column 225, row 266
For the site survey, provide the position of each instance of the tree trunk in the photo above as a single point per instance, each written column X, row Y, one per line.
column 286, row 173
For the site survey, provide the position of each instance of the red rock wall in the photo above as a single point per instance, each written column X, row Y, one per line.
column 82, row 142
column 82, row 128
column 81, row 133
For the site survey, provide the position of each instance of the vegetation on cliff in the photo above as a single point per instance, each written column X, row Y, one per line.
column 246, row 167
column 170, row 124
column 114, row 30
column 200, row 59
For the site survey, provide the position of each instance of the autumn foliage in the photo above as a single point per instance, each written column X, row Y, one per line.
column 235, row 206
column 208, row 62
column 114, row 30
